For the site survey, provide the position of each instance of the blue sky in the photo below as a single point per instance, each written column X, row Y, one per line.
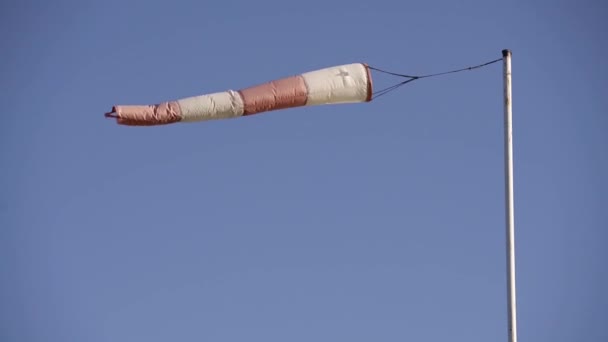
column 365, row 222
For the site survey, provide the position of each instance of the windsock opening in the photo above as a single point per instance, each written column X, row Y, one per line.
column 111, row 114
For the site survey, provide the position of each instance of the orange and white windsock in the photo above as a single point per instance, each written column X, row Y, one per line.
column 349, row 83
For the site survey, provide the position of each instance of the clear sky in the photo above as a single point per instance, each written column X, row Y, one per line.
column 366, row 222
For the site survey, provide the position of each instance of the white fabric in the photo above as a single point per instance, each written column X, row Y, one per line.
column 339, row 84
column 223, row 105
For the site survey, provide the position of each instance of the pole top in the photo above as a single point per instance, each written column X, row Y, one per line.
column 506, row 52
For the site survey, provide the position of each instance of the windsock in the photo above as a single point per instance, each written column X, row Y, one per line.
column 348, row 83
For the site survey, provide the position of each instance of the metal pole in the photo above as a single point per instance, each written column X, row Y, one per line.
column 510, row 217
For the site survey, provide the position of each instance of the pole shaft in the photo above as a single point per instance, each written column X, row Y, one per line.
column 510, row 217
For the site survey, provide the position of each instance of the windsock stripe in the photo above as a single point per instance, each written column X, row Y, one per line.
column 341, row 84
column 160, row 114
column 223, row 105
column 278, row 94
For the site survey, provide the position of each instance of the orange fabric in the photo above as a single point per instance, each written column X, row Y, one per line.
column 164, row 113
column 279, row 94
